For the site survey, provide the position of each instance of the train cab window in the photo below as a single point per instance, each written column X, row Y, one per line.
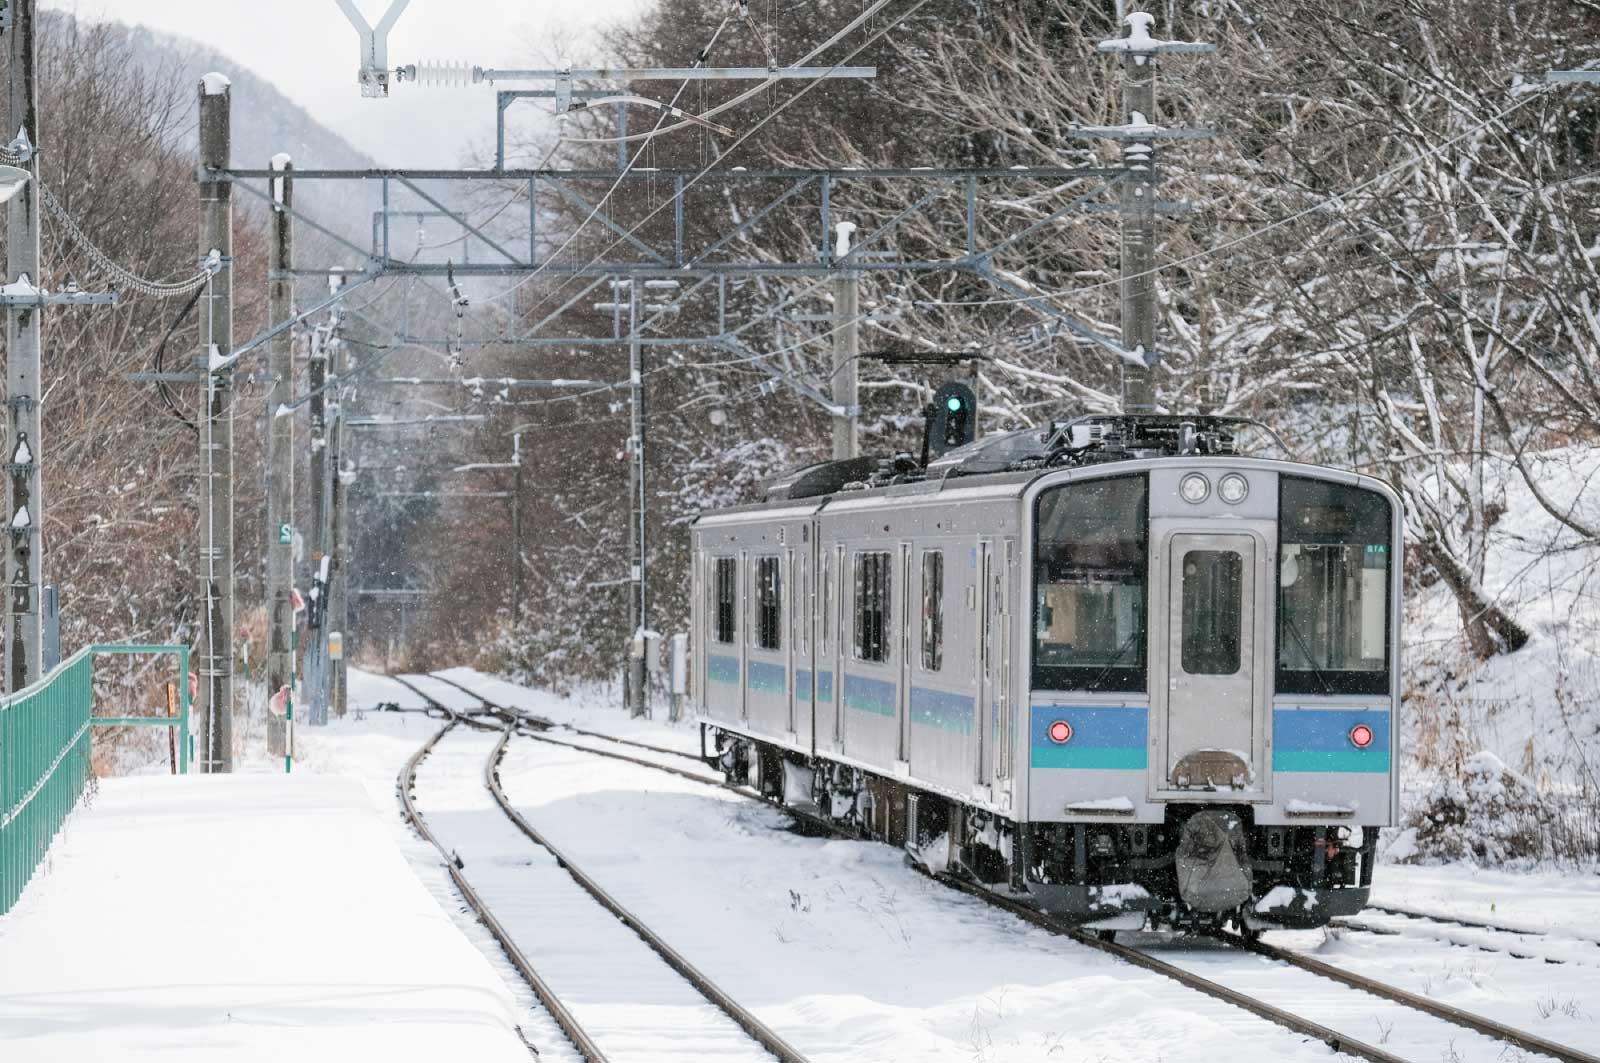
column 769, row 603
column 1335, row 545
column 932, row 610
column 725, row 597
column 1213, row 607
column 1089, row 574
column 874, row 608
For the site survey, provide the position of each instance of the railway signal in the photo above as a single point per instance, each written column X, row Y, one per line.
column 952, row 419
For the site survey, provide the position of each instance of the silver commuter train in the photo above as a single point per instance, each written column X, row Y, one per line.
column 1112, row 668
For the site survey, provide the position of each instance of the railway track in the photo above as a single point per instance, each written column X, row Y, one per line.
column 1146, row 959
column 1449, row 930
column 580, row 921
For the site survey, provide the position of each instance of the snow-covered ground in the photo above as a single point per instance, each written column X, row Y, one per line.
column 247, row 917
column 1537, row 709
column 845, row 951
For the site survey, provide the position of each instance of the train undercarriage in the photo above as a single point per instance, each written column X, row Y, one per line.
column 1206, row 867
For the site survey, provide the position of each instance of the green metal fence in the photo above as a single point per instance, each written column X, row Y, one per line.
column 44, row 756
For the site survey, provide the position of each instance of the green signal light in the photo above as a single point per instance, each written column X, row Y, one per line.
column 953, row 404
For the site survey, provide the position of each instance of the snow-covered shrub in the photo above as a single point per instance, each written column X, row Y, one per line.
column 1491, row 814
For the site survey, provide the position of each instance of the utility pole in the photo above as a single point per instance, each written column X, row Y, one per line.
column 1138, row 205
column 1138, row 282
column 639, row 643
column 846, row 351
column 338, row 542
column 215, row 702
column 316, row 606
column 516, row 529
column 637, row 704
column 280, row 455
column 24, row 343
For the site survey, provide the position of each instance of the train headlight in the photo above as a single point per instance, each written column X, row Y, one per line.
column 1361, row 736
column 1232, row 488
column 1194, row 488
column 1060, row 732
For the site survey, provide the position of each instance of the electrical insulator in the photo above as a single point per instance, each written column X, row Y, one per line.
column 443, row 74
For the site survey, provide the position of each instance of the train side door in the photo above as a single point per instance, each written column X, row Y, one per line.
column 743, row 629
column 987, row 683
column 903, row 745
column 1000, row 588
column 840, row 642
column 789, row 619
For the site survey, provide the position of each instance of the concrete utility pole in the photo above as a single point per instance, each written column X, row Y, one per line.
column 1139, row 236
column 317, row 546
column 215, row 701
column 338, row 535
column 24, row 343
column 516, row 529
column 846, row 351
column 280, row 455
column 640, row 613
column 1139, row 134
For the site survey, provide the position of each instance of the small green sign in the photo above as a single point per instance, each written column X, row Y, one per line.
column 286, row 534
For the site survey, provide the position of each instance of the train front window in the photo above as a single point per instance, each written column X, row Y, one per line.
column 1334, row 572
column 1090, row 557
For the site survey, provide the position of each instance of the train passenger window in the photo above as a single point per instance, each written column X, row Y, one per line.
column 874, row 607
column 726, row 591
column 1089, row 572
column 769, row 603
column 932, row 610
column 1213, row 607
column 1335, row 542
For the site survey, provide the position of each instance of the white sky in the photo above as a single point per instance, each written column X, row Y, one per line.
column 311, row 52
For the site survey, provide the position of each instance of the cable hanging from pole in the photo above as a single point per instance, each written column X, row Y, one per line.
column 75, row 234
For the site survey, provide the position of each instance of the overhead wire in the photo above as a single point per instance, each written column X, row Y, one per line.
column 701, row 174
column 1206, row 253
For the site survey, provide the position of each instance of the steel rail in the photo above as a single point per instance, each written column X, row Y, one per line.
column 541, row 989
column 746, row 1020
column 1501, row 1032
column 1441, row 934
column 548, row 724
column 1287, row 1019
column 1332, row 1038
column 1480, row 924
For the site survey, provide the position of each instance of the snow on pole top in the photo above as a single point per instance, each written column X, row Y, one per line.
column 1139, row 42
column 214, row 84
column 282, row 160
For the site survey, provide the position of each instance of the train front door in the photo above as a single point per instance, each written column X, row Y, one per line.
column 1212, row 731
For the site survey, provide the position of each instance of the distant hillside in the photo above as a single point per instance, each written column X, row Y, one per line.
column 265, row 122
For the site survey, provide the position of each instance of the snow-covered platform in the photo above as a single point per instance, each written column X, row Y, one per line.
column 245, row 917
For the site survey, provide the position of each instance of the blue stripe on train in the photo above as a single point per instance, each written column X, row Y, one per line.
column 803, row 678
column 767, row 678
column 1103, row 737
column 874, row 696
column 722, row 669
column 1318, row 740
column 940, row 708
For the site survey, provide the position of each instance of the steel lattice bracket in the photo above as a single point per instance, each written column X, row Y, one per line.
column 14, row 295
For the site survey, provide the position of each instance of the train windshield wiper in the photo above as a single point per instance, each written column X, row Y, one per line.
column 1300, row 641
column 1116, row 658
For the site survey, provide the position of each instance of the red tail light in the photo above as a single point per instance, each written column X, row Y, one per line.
column 1061, row 732
column 1361, row 736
